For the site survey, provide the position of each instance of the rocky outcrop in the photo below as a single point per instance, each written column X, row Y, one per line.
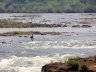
column 58, row 67
column 73, row 65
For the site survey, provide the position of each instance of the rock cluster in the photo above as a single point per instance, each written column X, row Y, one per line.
column 73, row 65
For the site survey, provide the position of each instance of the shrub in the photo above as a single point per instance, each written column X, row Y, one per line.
column 95, row 56
column 73, row 63
column 84, row 68
column 90, row 10
column 15, row 33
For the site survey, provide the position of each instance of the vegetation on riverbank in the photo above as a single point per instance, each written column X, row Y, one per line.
column 13, row 24
column 15, row 33
column 72, row 65
column 48, row 6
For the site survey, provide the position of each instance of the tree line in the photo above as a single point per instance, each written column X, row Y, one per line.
column 48, row 6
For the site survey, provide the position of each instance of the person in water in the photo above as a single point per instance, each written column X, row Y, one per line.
column 32, row 37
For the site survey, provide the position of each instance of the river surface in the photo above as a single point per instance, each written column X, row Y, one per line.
column 51, row 18
column 20, row 54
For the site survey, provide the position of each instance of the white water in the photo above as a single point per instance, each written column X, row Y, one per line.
column 31, row 56
column 26, row 64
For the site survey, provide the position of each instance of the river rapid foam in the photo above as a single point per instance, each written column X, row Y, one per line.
column 31, row 56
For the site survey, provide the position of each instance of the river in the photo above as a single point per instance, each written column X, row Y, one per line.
column 20, row 54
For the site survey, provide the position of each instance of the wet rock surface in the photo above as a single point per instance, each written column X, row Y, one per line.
column 82, row 65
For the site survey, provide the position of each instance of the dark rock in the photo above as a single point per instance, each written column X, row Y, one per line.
column 25, row 36
column 64, row 25
column 55, row 67
column 85, row 26
column 76, row 26
column 20, row 36
column 73, row 65
column 3, row 42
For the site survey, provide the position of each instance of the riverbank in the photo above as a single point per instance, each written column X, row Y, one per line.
column 72, row 65
column 12, row 24
column 15, row 33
